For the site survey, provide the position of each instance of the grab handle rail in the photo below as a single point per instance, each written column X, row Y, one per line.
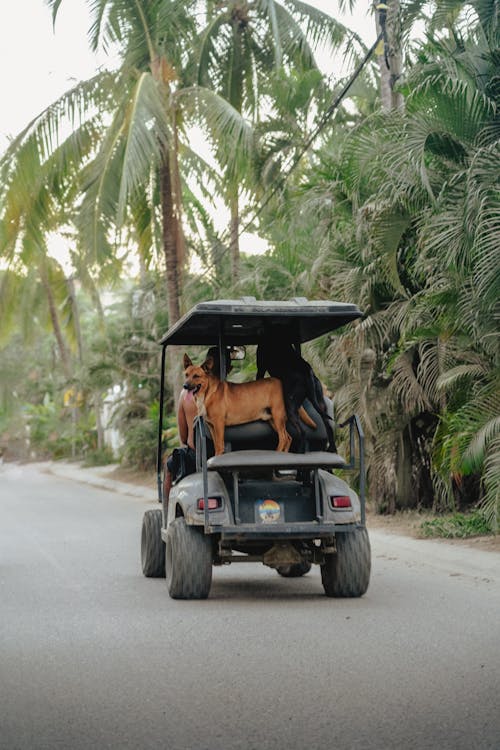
column 355, row 428
column 202, row 442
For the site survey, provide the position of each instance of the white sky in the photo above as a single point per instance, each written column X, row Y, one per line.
column 39, row 64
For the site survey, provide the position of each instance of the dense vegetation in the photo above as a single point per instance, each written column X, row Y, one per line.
column 395, row 205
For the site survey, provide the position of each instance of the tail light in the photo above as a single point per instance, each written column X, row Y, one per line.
column 340, row 501
column 213, row 503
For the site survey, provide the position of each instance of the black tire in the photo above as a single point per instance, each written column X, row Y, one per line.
column 188, row 561
column 295, row 570
column 347, row 572
column 152, row 546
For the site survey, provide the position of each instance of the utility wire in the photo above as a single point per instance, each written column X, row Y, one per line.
column 319, row 128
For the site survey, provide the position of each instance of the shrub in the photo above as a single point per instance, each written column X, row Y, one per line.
column 457, row 526
column 101, row 457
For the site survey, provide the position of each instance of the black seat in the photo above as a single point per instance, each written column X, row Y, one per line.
column 260, row 435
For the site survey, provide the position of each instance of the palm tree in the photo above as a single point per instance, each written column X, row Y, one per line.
column 118, row 174
column 137, row 169
column 34, row 185
column 242, row 46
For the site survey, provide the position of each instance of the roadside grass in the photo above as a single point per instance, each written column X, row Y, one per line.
column 101, row 457
column 457, row 526
column 424, row 524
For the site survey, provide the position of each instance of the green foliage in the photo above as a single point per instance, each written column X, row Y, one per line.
column 58, row 432
column 405, row 212
column 457, row 526
column 99, row 457
column 141, row 439
column 170, row 433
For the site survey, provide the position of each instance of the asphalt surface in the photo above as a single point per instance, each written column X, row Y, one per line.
column 93, row 655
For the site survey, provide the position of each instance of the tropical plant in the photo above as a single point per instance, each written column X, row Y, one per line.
column 36, row 177
column 246, row 52
column 409, row 220
column 118, row 176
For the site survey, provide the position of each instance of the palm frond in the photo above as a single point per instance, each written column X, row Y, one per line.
column 230, row 133
column 146, row 134
column 478, row 447
column 409, row 391
column 80, row 103
column 491, row 482
column 457, row 374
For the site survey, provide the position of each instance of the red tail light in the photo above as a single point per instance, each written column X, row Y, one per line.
column 340, row 501
column 213, row 503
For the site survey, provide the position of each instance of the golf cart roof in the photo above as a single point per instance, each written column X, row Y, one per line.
column 247, row 320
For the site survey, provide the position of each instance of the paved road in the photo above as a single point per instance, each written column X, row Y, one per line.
column 93, row 655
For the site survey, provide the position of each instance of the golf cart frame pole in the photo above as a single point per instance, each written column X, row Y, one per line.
column 362, row 469
column 222, row 357
column 160, row 425
column 202, row 445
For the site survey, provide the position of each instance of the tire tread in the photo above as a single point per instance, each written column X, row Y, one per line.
column 347, row 572
column 188, row 561
column 152, row 545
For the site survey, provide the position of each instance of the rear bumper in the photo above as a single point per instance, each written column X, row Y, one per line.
column 258, row 532
column 313, row 530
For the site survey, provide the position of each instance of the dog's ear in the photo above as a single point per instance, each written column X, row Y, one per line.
column 187, row 362
column 208, row 364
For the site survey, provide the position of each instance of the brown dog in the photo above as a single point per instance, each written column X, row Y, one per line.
column 224, row 404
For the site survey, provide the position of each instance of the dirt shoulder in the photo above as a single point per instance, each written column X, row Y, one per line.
column 131, row 476
column 409, row 523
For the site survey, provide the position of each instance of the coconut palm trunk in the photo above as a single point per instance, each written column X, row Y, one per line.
column 390, row 60
column 235, row 235
column 170, row 236
column 76, row 316
column 56, row 326
column 170, row 232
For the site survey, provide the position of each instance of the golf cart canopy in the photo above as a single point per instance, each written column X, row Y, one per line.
column 247, row 320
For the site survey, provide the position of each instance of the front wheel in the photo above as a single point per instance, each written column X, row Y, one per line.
column 188, row 561
column 347, row 571
column 152, row 545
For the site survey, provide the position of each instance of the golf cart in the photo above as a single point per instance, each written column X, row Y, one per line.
column 253, row 503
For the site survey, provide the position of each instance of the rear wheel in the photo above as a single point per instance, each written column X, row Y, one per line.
column 152, row 546
column 188, row 561
column 347, row 572
column 295, row 570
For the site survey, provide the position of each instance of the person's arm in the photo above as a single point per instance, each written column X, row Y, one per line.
column 182, row 424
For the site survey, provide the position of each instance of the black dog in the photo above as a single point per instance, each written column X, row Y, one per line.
column 283, row 361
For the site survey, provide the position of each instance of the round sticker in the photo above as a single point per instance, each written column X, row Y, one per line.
column 269, row 511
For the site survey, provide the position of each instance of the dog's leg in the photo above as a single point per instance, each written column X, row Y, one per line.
column 284, row 441
column 332, row 448
column 278, row 423
column 217, row 430
column 293, row 403
column 304, row 416
column 297, row 431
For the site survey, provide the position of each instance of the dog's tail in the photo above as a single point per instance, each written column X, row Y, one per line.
column 306, row 418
